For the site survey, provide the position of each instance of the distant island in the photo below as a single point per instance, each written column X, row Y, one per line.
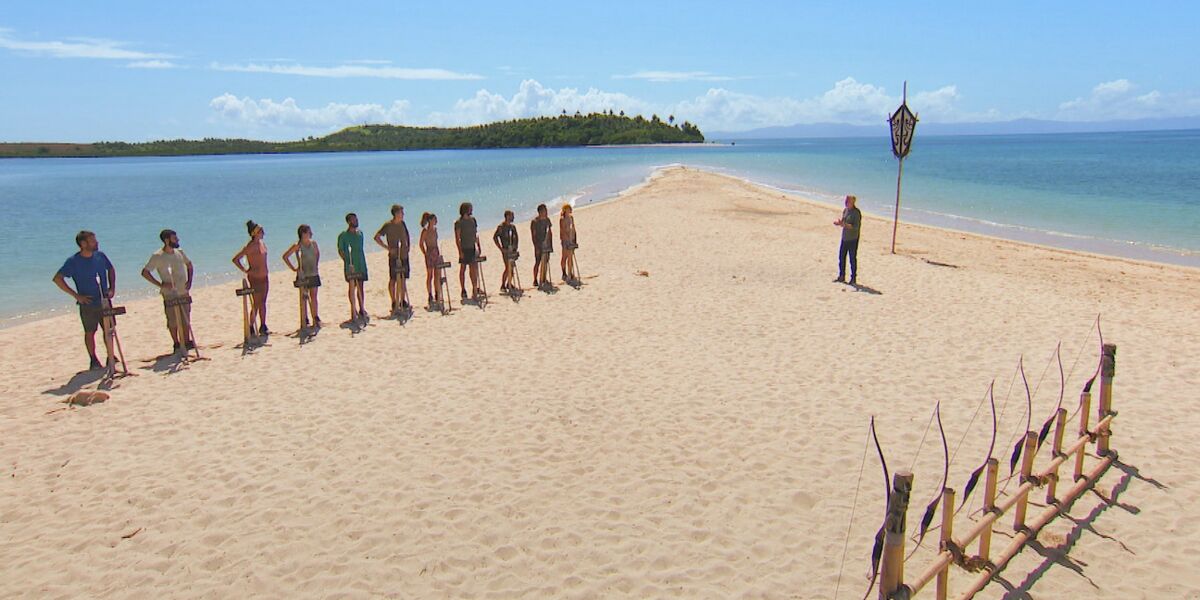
column 595, row 129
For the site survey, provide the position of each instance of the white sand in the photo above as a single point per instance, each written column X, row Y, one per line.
column 694, row 433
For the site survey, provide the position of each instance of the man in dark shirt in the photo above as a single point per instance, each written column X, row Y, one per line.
column 95, row 283
column 543, row 245
column 393, row 237
column 506, row 240
column 466, row 237
column 851, row 224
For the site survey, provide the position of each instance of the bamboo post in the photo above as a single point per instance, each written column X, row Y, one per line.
column 303, row 315
column 1060, row 426
column 1108, row 367
column 1085, row 409
column 943, row 578
column 1026, row 472
column 989, row 506
column 892, row 568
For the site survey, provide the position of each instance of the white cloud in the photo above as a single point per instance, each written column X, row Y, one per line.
column 1116, row 100
column 345, row 70
column 77, row 48
column 533, row 99
column 152, row 64
column 267, row 113
column 674, row 76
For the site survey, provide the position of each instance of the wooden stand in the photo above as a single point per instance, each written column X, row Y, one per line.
column 1026, row 473
column 482, row 280
column 183, row 325
column 108, row 315
column 989, row 507
column 510, row 259
column 245, row 292
column 444, row 285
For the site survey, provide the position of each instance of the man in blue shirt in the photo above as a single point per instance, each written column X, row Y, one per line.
column 95, row 283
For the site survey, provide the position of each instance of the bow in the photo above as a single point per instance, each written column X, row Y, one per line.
column 1016, row 454
column 1087, row 387
column 1062, row 388
column 877, row 550
column 974, row 479
column 931, row 509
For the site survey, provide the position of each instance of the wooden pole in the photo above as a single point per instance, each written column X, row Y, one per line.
column 943, row 578
column 989, row 507
column 1108, row 367
column 892, row 569
column 1060, row 426
column 1085, row 409
column 896, row 216
column 1026, row 472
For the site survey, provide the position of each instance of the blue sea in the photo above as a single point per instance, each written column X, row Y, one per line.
column 1130, row 194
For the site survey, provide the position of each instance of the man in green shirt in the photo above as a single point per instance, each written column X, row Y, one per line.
column 350, row 248
column 851, row 224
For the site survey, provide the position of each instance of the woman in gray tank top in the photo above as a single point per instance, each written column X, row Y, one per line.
column 308, row 274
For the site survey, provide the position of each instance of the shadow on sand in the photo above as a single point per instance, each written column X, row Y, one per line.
column 1059, row 555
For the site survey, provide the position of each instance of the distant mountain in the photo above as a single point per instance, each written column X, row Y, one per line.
column 1018, row 126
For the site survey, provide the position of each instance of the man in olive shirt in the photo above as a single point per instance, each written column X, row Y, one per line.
column 397, row 243
column 851, row 224
column 543, row 245
column 174, row 281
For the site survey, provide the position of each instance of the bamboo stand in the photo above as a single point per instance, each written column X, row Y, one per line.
column 184, row 328
column 108, row 315
column 1018, row 502
column 891, row 570
column 444, row 285
column 482, row 281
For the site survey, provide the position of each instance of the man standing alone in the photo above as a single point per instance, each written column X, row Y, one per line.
column 95, row 282
column 393, row 237
column 851, row 224
column 174, row 282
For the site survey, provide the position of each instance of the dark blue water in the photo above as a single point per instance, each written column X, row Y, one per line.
column 1123, row 193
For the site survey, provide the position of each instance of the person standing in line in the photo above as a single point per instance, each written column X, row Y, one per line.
column 851, row 224
column 506, row 240
column 257, row 274
column 95, row 281
column 307, row 269
column 566, row 234
column 393, row 237
column 433, row 257
column 466, row 237
column 174, row 282
column 354, row 260
column 543, row 245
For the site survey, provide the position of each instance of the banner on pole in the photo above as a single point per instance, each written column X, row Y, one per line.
column 904, row 123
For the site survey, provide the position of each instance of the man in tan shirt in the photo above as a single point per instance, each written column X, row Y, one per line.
column 174, row 281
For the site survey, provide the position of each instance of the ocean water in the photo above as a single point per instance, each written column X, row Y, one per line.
column 1132, row 194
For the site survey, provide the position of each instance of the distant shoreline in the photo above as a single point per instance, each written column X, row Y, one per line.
column 595, row 129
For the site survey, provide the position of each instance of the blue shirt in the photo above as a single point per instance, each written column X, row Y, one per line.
column 85, row 272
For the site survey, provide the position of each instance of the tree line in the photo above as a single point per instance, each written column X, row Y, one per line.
column 594, row 129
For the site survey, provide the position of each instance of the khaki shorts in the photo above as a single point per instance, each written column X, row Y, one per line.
column 173, row 313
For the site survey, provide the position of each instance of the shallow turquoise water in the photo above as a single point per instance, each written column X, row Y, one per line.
column 1126, row 193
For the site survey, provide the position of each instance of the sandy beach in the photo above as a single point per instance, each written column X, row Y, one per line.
column 690, row 423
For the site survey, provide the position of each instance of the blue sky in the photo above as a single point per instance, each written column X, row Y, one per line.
column 84, row 71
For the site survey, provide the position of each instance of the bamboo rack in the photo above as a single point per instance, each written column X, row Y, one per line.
column 952, row 551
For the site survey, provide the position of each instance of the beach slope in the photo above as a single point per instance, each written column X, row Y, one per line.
column 692, row 422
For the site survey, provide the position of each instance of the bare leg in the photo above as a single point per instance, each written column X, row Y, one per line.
column 475, row 279
column 360, row 288
column 462, row 284
column 403, row 290
column 312, row 300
